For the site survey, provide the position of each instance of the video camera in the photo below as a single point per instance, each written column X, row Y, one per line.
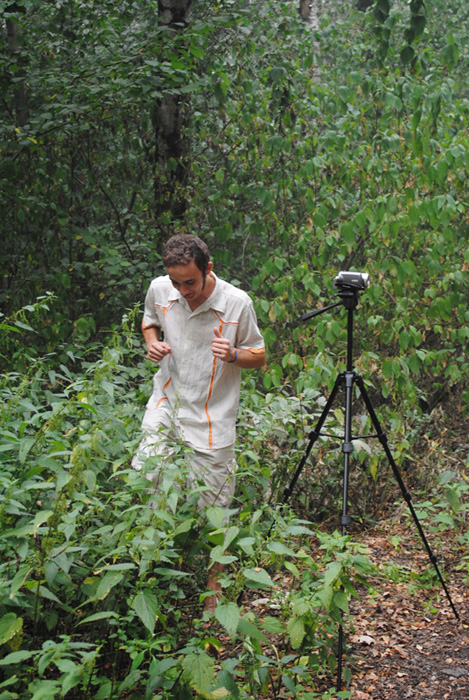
column 351, row 280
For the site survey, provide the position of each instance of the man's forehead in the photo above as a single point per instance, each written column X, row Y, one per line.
column 184, row 273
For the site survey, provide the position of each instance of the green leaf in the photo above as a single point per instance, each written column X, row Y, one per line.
column 280, row 548
column 40, row 518
column 18, row 580
column 404, row 339
column 414, row 363
column 72, row 679
column 246, row 628
column 290, row 685
column 216, row 516
column 220, row 92
column 16, row 657
column 418, row 23
column 46, row 593
column 384, row 6
column 183, row 527
column 230, row 536
column 24, row 326
column 407, row 54
column 25, row 447
column 340, row 600
column 145, row 605
column 246, row 544
column 10, row 626
column 129, row 682
column 332, row 572
column 199, row 668
column 98, row 616
column 217, row 555
column 453, row 499
column 292, row 568
column 405, row 270
column 325, row 595
column 89, row 477
column 171, row 573
column 257, row 578
column 125, row 566
column 450, row 54
column 107, row 583
column 228, row 616
column 277, row 74
column 296, row 631
column 43, row 690
column 273, row 625
column 108, row 388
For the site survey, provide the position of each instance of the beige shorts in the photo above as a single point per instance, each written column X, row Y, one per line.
column 214, row 469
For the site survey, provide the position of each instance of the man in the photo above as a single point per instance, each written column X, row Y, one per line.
column 203, row 332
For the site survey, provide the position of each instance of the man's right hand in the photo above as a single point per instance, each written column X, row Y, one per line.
column 157, row 350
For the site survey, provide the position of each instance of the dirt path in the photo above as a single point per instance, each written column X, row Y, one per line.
column 401, row 652
column 408, row 643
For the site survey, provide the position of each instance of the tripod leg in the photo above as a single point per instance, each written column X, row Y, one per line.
column 347, row 448
column 405, row 493
column 345, row 519
column 314, row 434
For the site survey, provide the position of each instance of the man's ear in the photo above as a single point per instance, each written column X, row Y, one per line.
column 209, row 268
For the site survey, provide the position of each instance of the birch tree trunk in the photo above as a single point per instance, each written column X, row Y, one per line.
column 309, row 12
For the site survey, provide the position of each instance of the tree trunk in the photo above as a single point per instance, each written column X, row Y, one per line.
column 363, row 5
column 171, row 117
column 20, row 91
column 309, row 12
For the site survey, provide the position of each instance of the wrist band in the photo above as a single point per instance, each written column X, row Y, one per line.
column 235, row 358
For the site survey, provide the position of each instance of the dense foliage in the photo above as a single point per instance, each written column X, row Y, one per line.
column 289, row 180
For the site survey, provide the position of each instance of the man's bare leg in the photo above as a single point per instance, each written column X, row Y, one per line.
column 213, row 584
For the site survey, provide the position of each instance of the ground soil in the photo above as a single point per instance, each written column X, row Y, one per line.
column 407, row 641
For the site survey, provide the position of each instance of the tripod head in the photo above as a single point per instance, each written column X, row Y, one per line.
column 350, row 285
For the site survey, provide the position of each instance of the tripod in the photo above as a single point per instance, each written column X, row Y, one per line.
column 349, row 298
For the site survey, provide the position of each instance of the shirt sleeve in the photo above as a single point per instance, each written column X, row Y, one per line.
column 150, row 316
column 249, row 336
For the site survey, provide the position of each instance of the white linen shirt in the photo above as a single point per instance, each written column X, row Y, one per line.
column 201, row 390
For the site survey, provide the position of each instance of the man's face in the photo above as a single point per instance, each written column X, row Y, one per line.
column 189, row 281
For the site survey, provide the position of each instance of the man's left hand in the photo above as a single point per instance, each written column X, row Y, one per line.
column 221, row 347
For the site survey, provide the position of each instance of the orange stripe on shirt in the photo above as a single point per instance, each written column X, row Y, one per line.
column 224, row 323
column 165, row 308
column 212, row 379
column 255, row 351
column 163, row 398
